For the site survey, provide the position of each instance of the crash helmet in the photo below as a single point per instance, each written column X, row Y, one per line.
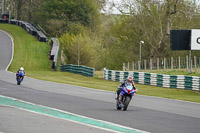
column 21, row 69
column 130, row 79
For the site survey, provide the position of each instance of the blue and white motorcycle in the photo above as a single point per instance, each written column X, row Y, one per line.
column 20, row 77
column 125, row 97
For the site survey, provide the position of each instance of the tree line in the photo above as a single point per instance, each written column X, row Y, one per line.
column 88, row 37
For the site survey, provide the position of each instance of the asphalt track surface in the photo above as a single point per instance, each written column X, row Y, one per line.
column 5, row 50
column 157, row 115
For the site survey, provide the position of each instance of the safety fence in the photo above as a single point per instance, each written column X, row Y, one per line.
column 30, row 28
column 164, row 64
column 162, row 80
column 35, row 31
column 54, row 52
column 78, row 69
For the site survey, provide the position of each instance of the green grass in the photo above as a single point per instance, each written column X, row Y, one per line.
column 97, row 83
column 176, row 72
column 33, row 56
column 28, row 51
column 74, row 79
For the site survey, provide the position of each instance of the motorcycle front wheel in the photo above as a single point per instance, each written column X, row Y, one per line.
column 126, row 102
column 18, row 83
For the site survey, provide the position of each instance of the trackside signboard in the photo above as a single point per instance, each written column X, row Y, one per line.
column 180, row 39
column 195, row 39
column 185, row 39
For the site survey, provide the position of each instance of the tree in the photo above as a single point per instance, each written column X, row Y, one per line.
column 171, row 9
column 151, row 22
column 18, row 6
column 85, row 12
column 26, row 10
column 78, row 49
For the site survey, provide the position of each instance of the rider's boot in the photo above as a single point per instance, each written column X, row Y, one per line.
column 116, row 96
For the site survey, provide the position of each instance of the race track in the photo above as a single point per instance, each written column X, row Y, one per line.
column 151, row 114
column 5, row 50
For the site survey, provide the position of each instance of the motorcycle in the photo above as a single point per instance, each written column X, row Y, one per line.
column 20, row 77
column 125, row 97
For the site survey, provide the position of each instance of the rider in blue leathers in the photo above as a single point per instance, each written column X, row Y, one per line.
column 21, row 70
column 129, row 80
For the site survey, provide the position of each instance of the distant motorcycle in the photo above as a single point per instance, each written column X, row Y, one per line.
column 125, row 97
column 20, row 77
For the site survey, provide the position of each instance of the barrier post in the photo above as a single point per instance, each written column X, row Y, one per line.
column 172, row 63
column 195, row 64
column 157, row 63
column 124, row 67
column 133, row 65
column 128, row 66
column 164, row 63
column 150, row 64
column 187, row 63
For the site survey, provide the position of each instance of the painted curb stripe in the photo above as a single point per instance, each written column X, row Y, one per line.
column 6, row 101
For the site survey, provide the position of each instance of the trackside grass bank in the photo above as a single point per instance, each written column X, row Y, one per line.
column 176, row 72
column 33, row 56
column 28, row 51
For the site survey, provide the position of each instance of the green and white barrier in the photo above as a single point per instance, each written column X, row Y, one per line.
column 78, row 69
column 162, row 80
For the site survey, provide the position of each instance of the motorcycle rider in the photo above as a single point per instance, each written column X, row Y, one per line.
column 21, row 70
column 129, row 80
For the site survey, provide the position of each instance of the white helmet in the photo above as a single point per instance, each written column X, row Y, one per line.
column 21, row 69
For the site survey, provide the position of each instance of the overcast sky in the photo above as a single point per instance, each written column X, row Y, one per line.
column 112, row 10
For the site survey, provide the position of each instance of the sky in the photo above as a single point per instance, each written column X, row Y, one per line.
column 113, row 10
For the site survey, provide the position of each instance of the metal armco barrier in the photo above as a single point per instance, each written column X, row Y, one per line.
column 161, row 80
column 78, row 69
column 54, row 51
column 30, row 28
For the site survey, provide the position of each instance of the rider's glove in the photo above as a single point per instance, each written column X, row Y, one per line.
column 135, row 90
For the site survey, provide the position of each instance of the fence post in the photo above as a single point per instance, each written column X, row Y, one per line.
column 128, row 66
column 191, row 65
column 195, row 64
column 187, row 62
column 150, row 64
column 164, row 63
column 145, row 65
column 133, row 65
column 179, row 62
column 139, row 65
column 124, row 67
column 157, row 63
column 172, row 63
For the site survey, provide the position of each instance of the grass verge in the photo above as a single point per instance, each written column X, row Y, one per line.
column 28, row 51
column 33, row 56
column 97, row 83
column 176, row 72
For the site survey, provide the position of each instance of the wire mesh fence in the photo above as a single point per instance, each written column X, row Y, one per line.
column 164, row 64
